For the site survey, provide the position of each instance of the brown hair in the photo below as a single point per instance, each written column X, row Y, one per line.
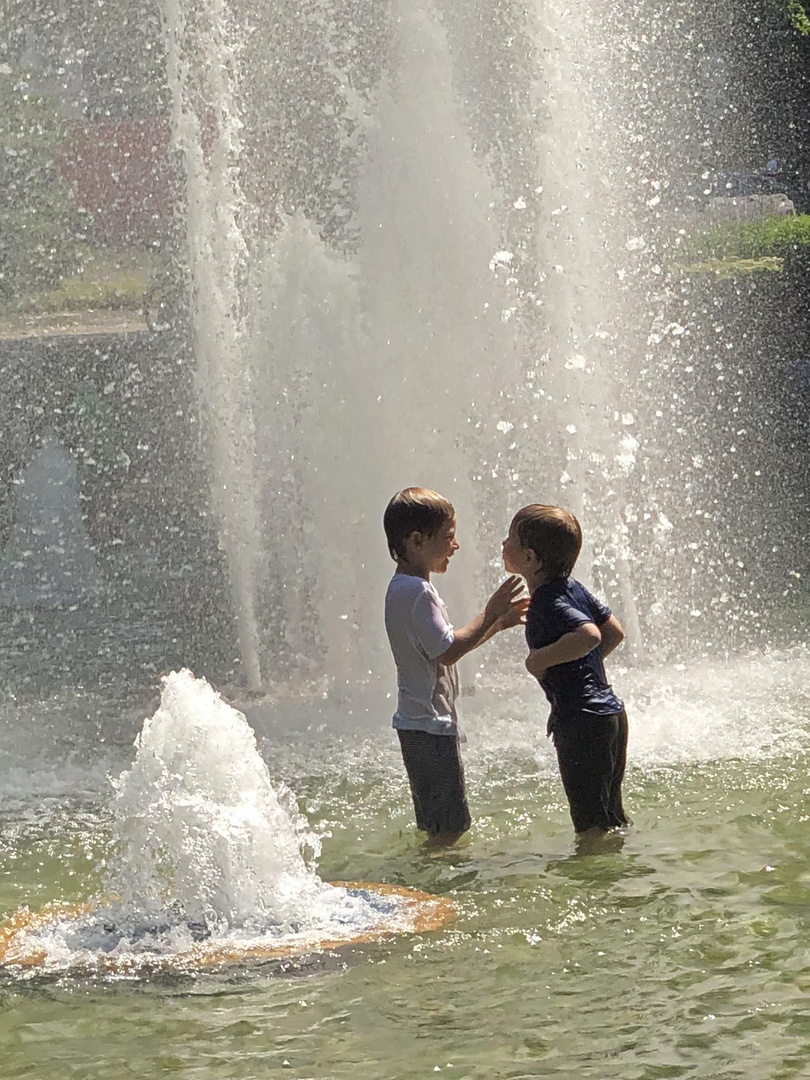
column 552, row 533
column 411, row 510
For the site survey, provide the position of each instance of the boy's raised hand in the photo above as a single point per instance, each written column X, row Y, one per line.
column 506, row 606
column 516, row 615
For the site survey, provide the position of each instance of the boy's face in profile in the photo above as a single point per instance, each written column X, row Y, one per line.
column 517, row 559
column 437, row 550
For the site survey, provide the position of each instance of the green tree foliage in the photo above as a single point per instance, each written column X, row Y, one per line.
column 40, row 224
column 798, row 17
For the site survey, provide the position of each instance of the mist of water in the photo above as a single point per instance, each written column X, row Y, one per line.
column 494, row 327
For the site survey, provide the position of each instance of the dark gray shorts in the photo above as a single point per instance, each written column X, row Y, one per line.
column 592, row 754
column 436, row 776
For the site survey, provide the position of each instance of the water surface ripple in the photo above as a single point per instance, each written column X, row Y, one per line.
column 681, row 952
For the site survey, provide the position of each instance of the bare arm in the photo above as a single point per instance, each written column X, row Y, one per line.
column 571, row 646
column 505, row 608
column 612, row 635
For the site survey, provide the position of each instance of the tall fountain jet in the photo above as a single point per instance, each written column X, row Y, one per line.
column 580, row 260
column 331, row 375
column 380, row 364
column 203, row 71
column 329, row 380
column 438, row 348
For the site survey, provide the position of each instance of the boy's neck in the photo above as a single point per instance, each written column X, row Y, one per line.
column 404, row 566
column 536, row 579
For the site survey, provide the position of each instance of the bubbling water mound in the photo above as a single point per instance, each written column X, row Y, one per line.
column 81, row 939
column 211, row 863
column 200, row 829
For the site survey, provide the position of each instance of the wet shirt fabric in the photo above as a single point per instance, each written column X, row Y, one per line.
column 419, row 631
column 578, row 687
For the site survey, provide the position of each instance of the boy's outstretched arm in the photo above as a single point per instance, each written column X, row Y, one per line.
column 571, row 646
column 505, row 608
column 612, row 633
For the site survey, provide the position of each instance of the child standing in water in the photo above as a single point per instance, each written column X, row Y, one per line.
column 420, row 527
column 569, row 633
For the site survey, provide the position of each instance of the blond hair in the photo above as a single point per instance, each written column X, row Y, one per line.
column 553, row 534
column 412, row 510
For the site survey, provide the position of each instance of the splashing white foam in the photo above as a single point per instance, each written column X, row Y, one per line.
column 207, row 850
column 198, row 823
column 200, row 830
column 754, row 706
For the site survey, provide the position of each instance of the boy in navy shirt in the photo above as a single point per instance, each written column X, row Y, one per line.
column 569, row 632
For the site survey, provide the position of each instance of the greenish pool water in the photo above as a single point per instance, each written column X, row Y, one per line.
column 681, row 953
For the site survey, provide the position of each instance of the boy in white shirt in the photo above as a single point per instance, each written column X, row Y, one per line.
column 420, row 526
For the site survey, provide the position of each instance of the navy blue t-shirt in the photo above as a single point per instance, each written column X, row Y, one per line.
column 557, row 608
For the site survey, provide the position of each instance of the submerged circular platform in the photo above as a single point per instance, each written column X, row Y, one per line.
column 71, row 937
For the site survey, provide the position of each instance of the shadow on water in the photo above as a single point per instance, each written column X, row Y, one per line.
column 225, row 981
column 465, row 868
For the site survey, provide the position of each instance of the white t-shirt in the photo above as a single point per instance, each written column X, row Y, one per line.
column 419, row 630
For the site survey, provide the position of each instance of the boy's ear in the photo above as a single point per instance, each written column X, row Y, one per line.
column 534, row 559
column 416, row 538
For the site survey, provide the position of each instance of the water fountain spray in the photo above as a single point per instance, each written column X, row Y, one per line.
column 202, row 62
column 578, row 307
